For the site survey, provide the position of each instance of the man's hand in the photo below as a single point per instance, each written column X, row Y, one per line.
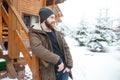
column 60, row 67
column 66, row 70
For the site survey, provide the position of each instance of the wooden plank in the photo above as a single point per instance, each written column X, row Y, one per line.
column 10, row 33
column 24, row 35
column 44, row 2
column 35, row 68
column 34, row 6
column 0, row 22
column 13, row 51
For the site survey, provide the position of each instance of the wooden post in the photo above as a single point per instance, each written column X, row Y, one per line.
column 44, row 2
column 12, row 47
column 35, row 68
column 53, row 4
column 0, row 20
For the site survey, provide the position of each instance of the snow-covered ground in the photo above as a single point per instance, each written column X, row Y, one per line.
column 92, row 65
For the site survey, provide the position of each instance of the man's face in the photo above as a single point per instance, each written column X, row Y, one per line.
column 50, row 22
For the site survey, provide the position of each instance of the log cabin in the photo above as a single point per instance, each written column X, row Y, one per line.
column 16, row 16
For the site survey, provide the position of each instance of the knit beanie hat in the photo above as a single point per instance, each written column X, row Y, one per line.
column 44, row 13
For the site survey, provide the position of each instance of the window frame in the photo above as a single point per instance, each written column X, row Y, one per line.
column 30, row 21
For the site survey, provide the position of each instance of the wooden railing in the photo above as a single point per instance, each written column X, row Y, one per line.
column 23, row 48
column 15, row 39
column 4, row 14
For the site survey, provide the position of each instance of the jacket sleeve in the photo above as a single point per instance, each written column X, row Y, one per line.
column 68, row 56
column 40, row 51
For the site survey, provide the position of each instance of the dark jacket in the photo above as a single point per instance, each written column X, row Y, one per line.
column 42, row 48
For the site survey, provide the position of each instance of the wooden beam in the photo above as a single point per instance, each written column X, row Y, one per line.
column 0, row 20
column 13, row 50
column 44, row 3
column 35, row 68
column 53, row 4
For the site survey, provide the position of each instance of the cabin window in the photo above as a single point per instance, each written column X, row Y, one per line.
column 30, row 19
column 33, row 20
column 27, row 20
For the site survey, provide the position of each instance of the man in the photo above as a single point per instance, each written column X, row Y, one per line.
column 50, row 47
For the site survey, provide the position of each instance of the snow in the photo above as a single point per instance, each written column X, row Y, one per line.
column 92, row 65
column 28, row 74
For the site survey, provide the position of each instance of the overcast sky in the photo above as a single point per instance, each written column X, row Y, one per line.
column 74, row 10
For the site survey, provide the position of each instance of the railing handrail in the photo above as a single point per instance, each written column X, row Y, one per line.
column 4, row 12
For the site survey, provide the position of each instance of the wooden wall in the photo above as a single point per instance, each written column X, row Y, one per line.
column 31, row 6
column 27, row 6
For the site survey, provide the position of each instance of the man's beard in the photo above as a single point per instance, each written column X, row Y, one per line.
column 49, row 25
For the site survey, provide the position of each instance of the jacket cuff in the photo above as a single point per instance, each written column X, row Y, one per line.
column 59, row 62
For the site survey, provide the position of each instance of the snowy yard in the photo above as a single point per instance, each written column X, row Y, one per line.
column 92, row 65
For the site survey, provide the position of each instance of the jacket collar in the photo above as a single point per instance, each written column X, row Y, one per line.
column 38, row 29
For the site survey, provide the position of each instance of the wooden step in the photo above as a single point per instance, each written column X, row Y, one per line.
column 5, row 28
column 5, row 33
